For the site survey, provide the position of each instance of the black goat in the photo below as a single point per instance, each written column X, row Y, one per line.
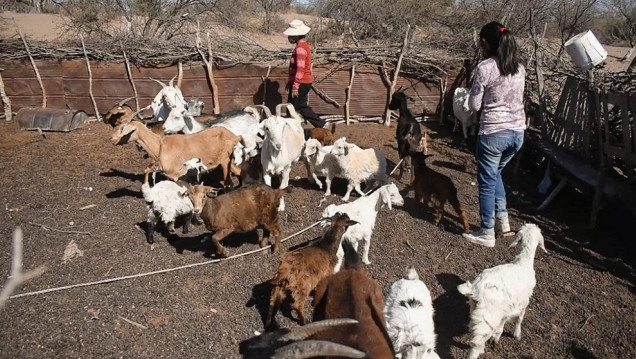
column 408, row 132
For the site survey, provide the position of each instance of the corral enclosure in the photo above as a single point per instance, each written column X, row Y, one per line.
column 66, row 84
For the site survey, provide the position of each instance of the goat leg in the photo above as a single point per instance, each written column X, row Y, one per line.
column 150, row 230
column 186, row 225
column 216, row 240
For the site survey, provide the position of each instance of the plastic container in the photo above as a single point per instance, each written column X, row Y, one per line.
column 585, row 50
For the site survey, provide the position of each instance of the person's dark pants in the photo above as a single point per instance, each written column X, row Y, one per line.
column 301, row 106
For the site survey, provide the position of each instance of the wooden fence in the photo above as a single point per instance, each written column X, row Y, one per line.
column 66, row 84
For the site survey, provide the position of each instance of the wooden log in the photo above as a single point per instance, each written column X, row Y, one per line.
column 6, row 101
column 35, row 68
column 130, row 77
column 90, row 81
column 387, row 112
column 348, row 94
column 210, row 74
column 442, row 96
column 179, row 73
column 264, row 80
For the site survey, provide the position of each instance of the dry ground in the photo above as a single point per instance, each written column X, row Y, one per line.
column 580, row 309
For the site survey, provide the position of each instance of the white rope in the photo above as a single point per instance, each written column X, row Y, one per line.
column 117, row 279
column 390, row 174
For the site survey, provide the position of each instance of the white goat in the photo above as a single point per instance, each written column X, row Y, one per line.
column 364, row 210
column 195, row 164
column 503, row 292
column 166, row 200
column 359, row 165
column 320, row 162
column 408, row 310
column 168, row 102
column 462, row 112
column 282, row 146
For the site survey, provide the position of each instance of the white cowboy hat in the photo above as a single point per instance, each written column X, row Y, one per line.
column 297, row 28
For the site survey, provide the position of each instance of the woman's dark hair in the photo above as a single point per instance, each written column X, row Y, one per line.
column 502, row 44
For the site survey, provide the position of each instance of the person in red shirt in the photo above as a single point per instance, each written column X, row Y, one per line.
column 300, row 77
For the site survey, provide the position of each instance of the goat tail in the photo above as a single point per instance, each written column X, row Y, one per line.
column 454, row 201
column 466, row 288
column 411, row 274
column 351, row 257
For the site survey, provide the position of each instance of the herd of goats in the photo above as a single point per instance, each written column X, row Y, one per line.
column 351, row 317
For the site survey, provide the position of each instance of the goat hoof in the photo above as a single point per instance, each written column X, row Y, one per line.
column 224, row 253
column 367, row 262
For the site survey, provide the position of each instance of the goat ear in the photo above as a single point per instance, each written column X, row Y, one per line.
column 516, row 241
column 386, row 198
column 351, row 222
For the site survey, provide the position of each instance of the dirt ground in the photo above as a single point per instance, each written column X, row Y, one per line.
column 583, row 305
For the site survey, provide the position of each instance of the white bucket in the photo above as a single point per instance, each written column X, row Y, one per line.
column 585, row 50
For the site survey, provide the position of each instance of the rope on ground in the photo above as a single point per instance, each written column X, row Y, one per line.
column 117, row 279
column 390, row 174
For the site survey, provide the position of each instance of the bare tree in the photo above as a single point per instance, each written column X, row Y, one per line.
column 572, row 16
column 624, row 27
column 270, row 7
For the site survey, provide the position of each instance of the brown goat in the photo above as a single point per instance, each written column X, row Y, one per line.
column 351, row 293
column 240, row 211
column 323, row 135
column 213, row 146
column 122, row 113
column 436, row 188
column 301, row 270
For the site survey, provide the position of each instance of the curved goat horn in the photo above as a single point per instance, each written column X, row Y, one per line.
column 314, row 348
column 278, row 110
column 266, row 109
column 123, row 102
column 291, row 111
column 171, row 84
column 159, row 82
column 300, row 333
column 132, row 117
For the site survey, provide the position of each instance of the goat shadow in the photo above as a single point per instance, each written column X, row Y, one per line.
column 124, row 192
column 452, row 315
column 203, row 242
column 580, row 352
column 118, row 173
column 260, row 299
column 416, row 209
column 449, row 165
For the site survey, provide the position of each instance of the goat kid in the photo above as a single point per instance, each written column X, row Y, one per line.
column 502, row 293
column 320, row 162
column 436, row 188
column 462, row 112
column 359, row 165
column 409, row 318
column 407, row 132
column 364, row 210
column 240, row 211
column 324, row 135
column 300, row 270
column 351, row 293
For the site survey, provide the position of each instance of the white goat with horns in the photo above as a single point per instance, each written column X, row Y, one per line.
column 282, row 146
column 503, row 292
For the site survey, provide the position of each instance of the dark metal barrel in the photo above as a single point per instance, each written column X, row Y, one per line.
column 50, row 119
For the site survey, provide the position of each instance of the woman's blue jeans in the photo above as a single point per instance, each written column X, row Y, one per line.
column 494, row 151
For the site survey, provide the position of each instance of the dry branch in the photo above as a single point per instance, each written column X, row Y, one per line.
column 325, row 97
column 130, row 77
column 179, row 73
column 264, row 80
column 6, row 101
column 348, row 94
column 387, row 112
column 35, row 68
column 17, row 277
column 208, row 69
column 90, row 81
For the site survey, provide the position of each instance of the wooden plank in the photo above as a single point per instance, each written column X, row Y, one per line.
column 17, row 102
column 627, row 143
column 23, row 69
column 31, row 87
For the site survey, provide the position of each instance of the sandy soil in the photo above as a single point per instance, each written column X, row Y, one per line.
column 583, row 306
